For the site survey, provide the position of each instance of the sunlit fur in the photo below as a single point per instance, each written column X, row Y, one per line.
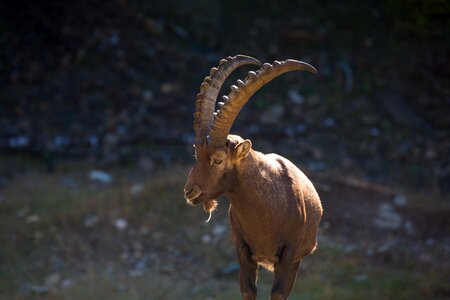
column 274, row 209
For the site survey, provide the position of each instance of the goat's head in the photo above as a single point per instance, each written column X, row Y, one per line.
column 215, row 169
column 217, row 153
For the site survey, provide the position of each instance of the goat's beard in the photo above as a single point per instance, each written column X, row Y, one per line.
column 209, row 206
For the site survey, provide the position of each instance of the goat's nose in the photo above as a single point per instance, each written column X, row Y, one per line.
column 187, row 189
column 192, row 192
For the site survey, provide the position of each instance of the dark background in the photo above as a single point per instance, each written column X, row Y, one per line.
column 112, row 85
column 95, row 78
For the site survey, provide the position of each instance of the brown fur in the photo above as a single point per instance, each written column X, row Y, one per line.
column 274, row 209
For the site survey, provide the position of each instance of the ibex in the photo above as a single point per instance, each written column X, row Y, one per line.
column 274, row 210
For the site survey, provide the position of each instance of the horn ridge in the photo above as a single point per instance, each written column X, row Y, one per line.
column 240, row 94
column 209, row 90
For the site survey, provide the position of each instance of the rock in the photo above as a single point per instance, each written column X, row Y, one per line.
column 138, row 249
column 40, row 289
column 100, row 176
column 400, row 200
column 329, row 122
column 52, row 281
column 157, row 235
column 110, row 145
column 314, row 100
column 300, row 128
column 169, row 88
column 349, row 248
column 155, row 27
column 168, row 270
column 121, row 224
column 401, row 112
column 387, row 217
column 93, row 140
column 22, row 213
column 347, row 73
column 136, row 273
column 409, row 228
column 426, row 258
column 56, row 262
column 60, row 141
column 317, row 166
column 144, row 230
column 136, row 189
column 66, row 283
column 141, row 264
column 289, row 131
column 124, row 256
column 219, row 230
column 325, row 225
column 33, row 219
column 431, row 153
column 38, row 236
column 295, row 97
column 114, row 40
column 147, row 95
column 206, row 239
column 19, row 142
column 228, row 270
column 374, row 131
column 273, row 114
column 91, row 220
column 385, row 247
column 361, row 277
column 204, row 22
column 146, row 164
column 70, row 182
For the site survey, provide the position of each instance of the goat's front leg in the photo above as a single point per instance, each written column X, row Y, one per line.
column 248, row 271
column 285, row 273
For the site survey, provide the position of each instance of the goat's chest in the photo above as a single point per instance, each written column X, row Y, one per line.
column 264, row 233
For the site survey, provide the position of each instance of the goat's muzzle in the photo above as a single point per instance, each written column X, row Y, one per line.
column 191, row 193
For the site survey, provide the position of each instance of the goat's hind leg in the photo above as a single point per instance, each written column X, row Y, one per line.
column 285, row 274
column 248, row 271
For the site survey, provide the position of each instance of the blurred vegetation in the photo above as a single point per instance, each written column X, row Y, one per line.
column 423, row 19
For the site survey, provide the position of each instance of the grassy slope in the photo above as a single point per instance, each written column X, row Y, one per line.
column 97, row 262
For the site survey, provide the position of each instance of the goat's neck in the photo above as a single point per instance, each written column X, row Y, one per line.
column 248, row 188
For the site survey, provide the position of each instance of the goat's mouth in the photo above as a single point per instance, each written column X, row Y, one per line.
column 193, row 196
column 195, row 201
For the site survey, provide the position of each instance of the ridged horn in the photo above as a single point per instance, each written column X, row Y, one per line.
column 209, row 89
column 242, row 92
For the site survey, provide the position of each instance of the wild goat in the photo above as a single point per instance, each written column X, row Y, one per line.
column 275, row 210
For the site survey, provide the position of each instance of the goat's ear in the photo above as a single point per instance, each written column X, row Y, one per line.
column 242, row 149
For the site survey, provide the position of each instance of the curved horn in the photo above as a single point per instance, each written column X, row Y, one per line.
column 209, row 89
column 241, row 93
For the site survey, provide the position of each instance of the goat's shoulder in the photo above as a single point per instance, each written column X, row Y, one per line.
column 286, row 168
column 281, row 164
